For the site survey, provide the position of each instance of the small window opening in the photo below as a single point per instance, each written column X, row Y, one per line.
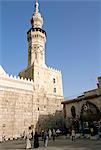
column 54, row 90
column 54, row 80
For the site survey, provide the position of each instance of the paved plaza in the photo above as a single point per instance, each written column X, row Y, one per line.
column 59, row 144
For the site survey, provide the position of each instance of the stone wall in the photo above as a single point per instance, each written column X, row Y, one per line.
column 16, row 99
column 21, row 105
column 17, row 112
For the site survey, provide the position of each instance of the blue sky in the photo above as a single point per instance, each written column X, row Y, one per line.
column 73, row 39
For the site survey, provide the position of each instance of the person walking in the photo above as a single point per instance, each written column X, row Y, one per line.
column 73, row 134
column 50, row 134
column 36, row 140
column 53, row 134
column 28, row 142
column 45, row 139
column 42, row 134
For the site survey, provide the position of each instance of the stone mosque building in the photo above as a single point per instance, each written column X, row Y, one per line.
column 36, row 91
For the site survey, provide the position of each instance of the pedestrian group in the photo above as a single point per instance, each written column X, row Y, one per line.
column 46, row 135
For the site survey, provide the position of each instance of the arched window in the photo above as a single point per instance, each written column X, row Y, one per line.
column 73, row 112
column 35, row 55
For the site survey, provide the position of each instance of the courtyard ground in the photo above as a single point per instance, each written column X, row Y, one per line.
column 58, row 144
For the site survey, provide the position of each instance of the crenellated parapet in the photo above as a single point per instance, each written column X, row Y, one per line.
column 16, row 82
column 18, row 78
column 53, row 69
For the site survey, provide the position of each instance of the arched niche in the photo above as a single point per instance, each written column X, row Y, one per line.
column 90, row 112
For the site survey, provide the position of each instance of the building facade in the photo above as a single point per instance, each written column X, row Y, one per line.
column 37, row 91
column 84, row 108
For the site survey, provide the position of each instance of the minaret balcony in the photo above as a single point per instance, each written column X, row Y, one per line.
column 37, row 29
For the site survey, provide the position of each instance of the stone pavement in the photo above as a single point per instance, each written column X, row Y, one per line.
column 59, row 144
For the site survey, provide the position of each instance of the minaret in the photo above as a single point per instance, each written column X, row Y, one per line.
column 36, row 39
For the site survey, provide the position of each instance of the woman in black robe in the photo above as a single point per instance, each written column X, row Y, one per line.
column 36, row 140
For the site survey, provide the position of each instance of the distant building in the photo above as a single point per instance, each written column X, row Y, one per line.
column 85, row 108
column 37, row 91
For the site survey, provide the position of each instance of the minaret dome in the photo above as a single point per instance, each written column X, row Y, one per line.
column 37, row 20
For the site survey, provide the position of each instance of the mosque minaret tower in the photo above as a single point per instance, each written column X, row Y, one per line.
column 36, row 39
column 44, row 77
